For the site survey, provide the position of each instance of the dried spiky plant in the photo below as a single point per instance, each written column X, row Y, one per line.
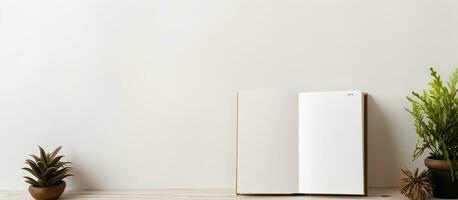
column 416, row 186
column 48, row 169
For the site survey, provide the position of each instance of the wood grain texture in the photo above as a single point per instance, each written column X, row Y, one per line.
column 210, row 194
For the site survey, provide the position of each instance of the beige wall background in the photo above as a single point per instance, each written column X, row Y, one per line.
column 142, row 94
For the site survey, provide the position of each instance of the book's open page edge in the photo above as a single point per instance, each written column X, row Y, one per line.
column 331, row 143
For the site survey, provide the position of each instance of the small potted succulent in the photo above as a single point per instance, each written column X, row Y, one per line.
column 49, row 171
column 435, row 113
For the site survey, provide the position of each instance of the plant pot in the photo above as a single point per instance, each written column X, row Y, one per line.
column 444, row 187
column 47, row 193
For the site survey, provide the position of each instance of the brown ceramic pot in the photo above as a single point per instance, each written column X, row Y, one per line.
column 444, row 186
column 47, row 193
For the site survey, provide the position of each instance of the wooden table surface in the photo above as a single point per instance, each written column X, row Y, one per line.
column 210, row 194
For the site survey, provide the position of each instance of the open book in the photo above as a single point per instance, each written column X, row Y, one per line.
column 301, row 143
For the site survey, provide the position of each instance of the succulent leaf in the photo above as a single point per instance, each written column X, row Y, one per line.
column 56, row 180
column 35, row 158
column 42, row 166
column 31, row 172
column 50, row 171
column 61, row 164
column 53, row 161
column 33, row 166
column 43, row 155
column 55, row 152
column 47, row 168
column 30, row 180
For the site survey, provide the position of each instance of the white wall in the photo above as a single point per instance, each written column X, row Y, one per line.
column 141, row 94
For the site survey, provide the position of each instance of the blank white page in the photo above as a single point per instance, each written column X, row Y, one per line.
column 267, row 156
column 331, row 143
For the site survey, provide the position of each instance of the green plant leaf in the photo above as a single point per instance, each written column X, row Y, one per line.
column 31, row 181
column 61, row 164
column 34, row 167
column 58, row 179
column 53, row 161
column 43, row 155
column 48, row 168
column 435, row 114
column 62, row 171
column 50, row 171
column 55, row 152
column 31, row 172
column 42, row 166
column 36, row 158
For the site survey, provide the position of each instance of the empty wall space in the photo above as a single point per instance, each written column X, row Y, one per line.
column 142, row 94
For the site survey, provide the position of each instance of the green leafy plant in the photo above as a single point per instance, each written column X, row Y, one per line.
column 47, row 168
column 435, row 113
